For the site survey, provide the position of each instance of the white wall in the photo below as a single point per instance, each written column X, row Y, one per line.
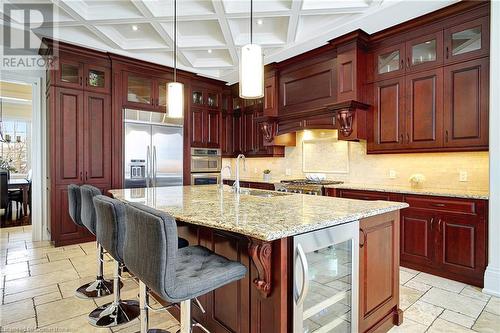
column 492, row 276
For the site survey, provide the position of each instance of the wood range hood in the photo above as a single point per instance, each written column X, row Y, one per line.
column 320, row 89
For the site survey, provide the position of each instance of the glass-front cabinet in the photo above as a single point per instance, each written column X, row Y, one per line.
column 139, row 90
column 162, row 94
column 466, row 41
column 97, row 78
column 70, row 74
column 325, row 280
column 389, row 61
column 425, row 51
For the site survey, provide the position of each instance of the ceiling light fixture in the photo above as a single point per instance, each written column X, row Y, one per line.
column 175, row 90
column 259, row 21
column 251, row 67
column 209, row 51
column 135, row 28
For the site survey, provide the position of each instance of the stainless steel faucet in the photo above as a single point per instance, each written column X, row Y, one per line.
column 222, row 176
column 236, row 184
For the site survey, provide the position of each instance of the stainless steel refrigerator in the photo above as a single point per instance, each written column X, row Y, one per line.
column 153, row 149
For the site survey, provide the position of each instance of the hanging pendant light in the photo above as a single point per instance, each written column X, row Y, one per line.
column 175, row 90
column 251, row 67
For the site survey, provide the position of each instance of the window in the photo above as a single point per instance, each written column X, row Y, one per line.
column 18, row 149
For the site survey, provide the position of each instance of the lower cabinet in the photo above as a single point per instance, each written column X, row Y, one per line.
column 256, row 185
column 379, row 273
column 443, row 236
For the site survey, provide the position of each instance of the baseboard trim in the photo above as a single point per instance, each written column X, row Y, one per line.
column 492, row 281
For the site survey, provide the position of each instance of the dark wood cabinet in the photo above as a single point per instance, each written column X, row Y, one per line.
column 213, row 128
column 69, row 74
column 248, row 132
column 206, row 118
column 467, row 40
column 466, row 109
column 198, row 127
column 424, row 109
column 424, row 52
column 389, row 61
column 97, row 78
column 139, row 91
column 388, row 119
column 417, row 236
column 379, row 272
column 444, row 236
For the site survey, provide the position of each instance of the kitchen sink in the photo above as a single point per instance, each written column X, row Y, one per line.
column 263, row 194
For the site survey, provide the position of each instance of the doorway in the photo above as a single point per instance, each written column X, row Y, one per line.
column 21, row 154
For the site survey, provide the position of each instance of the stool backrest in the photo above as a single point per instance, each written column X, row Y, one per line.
column 88, row 193
column 150, row 249
column 75, row 204
column 110, row 225
column 4, row 189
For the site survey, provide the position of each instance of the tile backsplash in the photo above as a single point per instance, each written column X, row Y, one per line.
column 441, row 170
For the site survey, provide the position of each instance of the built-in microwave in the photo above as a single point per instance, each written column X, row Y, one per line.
column 205, row 160
column 205, row 178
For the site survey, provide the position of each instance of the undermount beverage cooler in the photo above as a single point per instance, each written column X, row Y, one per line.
column 326, row 280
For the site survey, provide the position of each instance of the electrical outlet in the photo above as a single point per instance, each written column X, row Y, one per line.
column 392, row 173
column 255, row 170
column 462, row 176
column 288, row 172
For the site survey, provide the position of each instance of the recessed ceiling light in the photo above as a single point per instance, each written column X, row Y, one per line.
column 135, row 28
column 260, row 22
column 209, row 50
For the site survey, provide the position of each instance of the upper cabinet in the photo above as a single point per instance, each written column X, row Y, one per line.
column 467, row 40
column 81, row 73
column 206, row 120
column 144, row 92
column 389, row 61
column 424, row 52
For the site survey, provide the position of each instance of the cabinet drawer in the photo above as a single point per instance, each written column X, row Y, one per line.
column 445, row 204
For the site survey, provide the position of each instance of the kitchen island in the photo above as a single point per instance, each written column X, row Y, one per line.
column 261, row 229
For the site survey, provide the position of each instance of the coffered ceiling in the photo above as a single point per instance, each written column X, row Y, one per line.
column 210, row 32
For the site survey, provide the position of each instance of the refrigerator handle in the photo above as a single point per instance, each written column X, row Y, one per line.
column 155, row 166
column 147, row 166
column 305, row 275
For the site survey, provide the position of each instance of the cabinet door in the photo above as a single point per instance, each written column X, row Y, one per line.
column 466, row 104
column 237, row 133
column 68, row 135
column 198, row 127
column 212, row 99
column 197, row 96
column 70, row 74
column 424, row 109
column 213, row 129
column 161, row 91
column 466, row 41
column 139, row 91
column 389, row 61
column 424, row 52
column 226, row 134
column 248, row 132
column 97, row 79
column 378, row 268
column 270, row 96
column 364, row 195
column 388, row 115
column 462, row 244
column 97, row 137
column 417, row 236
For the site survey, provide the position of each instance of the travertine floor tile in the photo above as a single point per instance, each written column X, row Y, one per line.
column 30, row 293
column 39, row 281
column 458, row 303
column 57, row 311
column 457, row 318
column 440, row 282
column 405, row 276
column 47, row 298
column 10, row 313
column 60, row 265
column 493, row 306
column 409, row 270
column 475, row 292
column 25, row 325
column 418, row 285
column 408, row 326
column 75, row 324
column 423, row 313
column 443, row 326
column 161, row 320
column 78, row 252
column 408, row 296
column 14, row 268
column 487, row 323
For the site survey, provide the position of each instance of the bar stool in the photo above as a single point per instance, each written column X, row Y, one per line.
column 100, row 287
column 110, row 233
column 176, row 275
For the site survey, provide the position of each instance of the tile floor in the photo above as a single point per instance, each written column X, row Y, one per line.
column 38, row 282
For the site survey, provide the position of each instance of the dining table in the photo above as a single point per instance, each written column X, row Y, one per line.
column 23, row 185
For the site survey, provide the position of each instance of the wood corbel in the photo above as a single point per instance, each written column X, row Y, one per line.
column 260, row 252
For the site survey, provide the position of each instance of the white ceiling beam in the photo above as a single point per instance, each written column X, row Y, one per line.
column 226, row 31
column 293, row 22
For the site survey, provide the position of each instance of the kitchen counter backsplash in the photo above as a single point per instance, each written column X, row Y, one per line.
column 441, row 170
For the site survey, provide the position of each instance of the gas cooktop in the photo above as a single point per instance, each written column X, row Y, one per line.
column 311, row 182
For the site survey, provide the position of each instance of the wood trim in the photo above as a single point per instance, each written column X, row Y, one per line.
column 261, row 253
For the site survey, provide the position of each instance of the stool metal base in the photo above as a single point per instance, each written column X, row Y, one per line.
column 97, row 288
column 112, row 314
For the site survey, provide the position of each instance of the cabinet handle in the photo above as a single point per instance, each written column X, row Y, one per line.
column 408, row 62
column 81, row 175
column 438, row 204
column 447, row 52
column 364, row 238
column 86, row 82
column 407, row 138
column 446, row 136
column 439, row 225
column 402, row 63
column 81, row 80
column 432, row 223
column 402, row 138
column 86, row 176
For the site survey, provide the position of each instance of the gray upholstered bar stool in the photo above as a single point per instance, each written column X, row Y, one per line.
column 110, row 233
column 176, row 275
column 99, row 287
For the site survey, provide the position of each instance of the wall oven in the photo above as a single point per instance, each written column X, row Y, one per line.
column 205, row 160
column 205, row 178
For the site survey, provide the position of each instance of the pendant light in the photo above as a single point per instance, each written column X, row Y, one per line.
column 251, row 67
column 175, row 95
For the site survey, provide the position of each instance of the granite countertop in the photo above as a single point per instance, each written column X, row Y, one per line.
column 264, row 218
column 467, row 194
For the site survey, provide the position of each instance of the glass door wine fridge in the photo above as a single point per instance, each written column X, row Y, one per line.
column 326, row 280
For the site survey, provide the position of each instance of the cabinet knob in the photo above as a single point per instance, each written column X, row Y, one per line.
column 446, row 136
column 364, row 238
